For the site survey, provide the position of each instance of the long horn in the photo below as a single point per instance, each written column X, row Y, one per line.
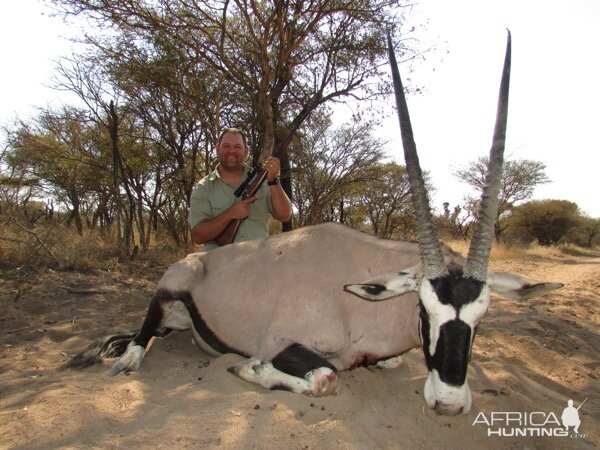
column 481, row 243
column 429, row 245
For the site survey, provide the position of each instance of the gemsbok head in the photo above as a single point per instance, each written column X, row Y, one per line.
column 452, row 299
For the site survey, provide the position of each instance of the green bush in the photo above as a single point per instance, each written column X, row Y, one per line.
column 545, row 221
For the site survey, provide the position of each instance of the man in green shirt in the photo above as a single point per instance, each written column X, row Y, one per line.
column 213, row 203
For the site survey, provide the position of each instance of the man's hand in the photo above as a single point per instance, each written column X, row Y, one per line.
column 241, row 210
column 272, row 166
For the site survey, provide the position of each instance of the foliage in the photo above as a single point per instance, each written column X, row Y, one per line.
column 388, row 203
column 329, row 165
column 160, row 79
column 519, row 180
column 545, row 221
column 339, row 177
column 34, row 236
column 455, row 224
column 586, row 232
column 57, row 151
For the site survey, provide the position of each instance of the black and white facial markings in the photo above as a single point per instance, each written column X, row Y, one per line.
column 451, row 306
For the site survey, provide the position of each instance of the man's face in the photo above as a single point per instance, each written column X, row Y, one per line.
column 231, row 151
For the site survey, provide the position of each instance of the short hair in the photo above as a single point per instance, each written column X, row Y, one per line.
column 234, row 131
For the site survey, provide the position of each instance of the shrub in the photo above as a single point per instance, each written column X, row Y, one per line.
column 545, row 221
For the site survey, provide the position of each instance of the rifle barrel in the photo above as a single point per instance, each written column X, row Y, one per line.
column 582, row 404
column 242, row 187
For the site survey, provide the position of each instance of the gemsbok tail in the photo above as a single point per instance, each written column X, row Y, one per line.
column 107, row 347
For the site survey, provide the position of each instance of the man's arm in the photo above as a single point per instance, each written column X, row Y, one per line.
column 280, row 204
column 209, row 229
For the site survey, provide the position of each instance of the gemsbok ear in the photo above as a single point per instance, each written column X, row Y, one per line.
column 517, row 287
column 386, row 286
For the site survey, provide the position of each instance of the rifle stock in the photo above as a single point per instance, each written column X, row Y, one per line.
column 229, row 233
column 249, row 188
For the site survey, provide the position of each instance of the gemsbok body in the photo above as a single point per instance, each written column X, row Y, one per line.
column 304, row 305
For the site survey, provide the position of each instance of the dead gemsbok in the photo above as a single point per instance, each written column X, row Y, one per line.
column 289, row 305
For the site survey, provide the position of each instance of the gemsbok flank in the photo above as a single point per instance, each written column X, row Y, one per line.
column 290, row 303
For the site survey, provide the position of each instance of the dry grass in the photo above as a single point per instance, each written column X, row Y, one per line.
column 501, row 251
column 59, row 247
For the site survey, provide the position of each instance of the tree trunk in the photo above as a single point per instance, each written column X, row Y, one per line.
column 123, row 239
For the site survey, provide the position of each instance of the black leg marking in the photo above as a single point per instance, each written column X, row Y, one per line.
column 297, row 360
column 281, row 387
column 154, row 317
column 116, row 345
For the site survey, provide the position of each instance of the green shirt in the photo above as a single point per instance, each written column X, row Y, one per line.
column 212, row 196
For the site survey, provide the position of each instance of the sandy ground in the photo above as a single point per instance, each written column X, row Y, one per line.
column 528, row 357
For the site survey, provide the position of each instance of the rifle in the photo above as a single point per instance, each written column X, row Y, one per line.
column 582, row 404
column 248, row 188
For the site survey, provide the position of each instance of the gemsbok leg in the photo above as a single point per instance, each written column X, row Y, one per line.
column 296, row 369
